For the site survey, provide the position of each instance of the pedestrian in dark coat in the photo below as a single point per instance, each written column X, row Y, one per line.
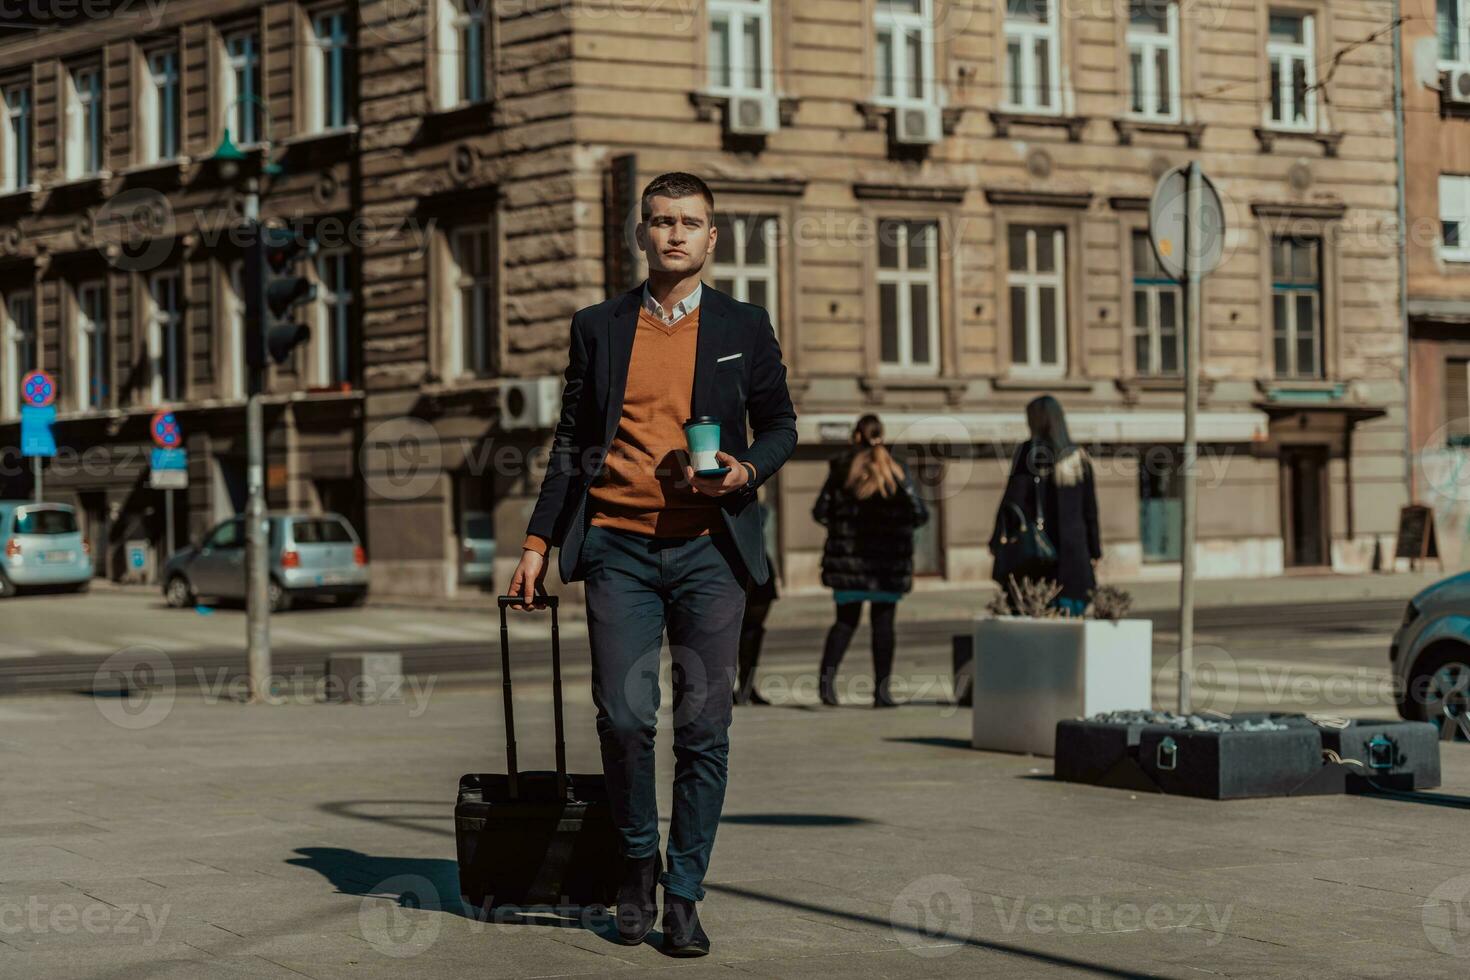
column 1055, row 471
column 870, row 508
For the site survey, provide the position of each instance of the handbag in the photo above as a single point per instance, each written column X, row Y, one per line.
column 1025, row 550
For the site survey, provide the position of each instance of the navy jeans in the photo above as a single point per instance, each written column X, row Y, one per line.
column 637, row 586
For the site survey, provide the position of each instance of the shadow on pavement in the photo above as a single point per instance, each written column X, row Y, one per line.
column 934, row 741
column 793, row 820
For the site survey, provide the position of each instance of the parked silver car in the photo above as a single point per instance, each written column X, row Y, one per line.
column 312, row 556
column 477, row 548
column 43, row 546
column 1430, row 654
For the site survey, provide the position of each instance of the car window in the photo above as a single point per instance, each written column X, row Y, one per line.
column 320, row 530
column 479, row 527
column 45, row 521
column 228, row 535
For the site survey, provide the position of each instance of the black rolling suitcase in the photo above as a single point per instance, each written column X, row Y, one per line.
column 536, row 838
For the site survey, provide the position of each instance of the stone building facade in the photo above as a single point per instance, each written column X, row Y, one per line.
column 943, row 204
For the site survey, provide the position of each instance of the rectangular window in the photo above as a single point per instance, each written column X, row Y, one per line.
column 1293, row 73
column 905, row 52
column 740, row 46
column 82, row 147
column 1453, row 30
column 166, row 337
column 1457, row 402
column 163, row 74
column 1153, row 59
column 472, row 303
column 17, row 135
column 1160, row 519
column 241, row 92
column 232, row 361
column 22, row 355
column 908, row 295
column 93, row 346
column 460, row 42
column 1032, row 43
column 1158, row 307
column 1296, row 306
column 328, row 70
column 333, row 341
column 745, row 258
column 1035, row 281
column 1454, row 218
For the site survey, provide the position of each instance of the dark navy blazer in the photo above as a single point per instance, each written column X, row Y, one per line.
column 749, row 387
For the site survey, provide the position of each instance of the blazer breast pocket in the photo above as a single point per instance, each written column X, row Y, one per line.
column 730, row 379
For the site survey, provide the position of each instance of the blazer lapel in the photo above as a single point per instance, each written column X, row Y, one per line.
column 707, row 347
column 621, row 331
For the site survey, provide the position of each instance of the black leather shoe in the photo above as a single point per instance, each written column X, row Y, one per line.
column 828, row 694
column 683, row 935
column 638, row 898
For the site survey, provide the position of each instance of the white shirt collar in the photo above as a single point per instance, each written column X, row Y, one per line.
column 681, row 309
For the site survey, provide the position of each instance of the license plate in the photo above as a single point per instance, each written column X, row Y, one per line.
column 331, row 578
column 56, row 556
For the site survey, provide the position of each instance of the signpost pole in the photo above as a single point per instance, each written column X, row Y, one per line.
column 257, row 569
column 36, row 465
column 1188, row 514
column 168, row 523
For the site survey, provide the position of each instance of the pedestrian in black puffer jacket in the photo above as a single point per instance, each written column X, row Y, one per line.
column 870, row 508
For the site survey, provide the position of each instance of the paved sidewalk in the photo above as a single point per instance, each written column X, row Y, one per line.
column 196, row 840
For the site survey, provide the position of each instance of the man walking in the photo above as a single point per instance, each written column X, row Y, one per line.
column 658, row 545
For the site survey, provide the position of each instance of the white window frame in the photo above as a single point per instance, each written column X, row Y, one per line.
column 900, row 25
column 903, row 278
column 736, row 15
column 84, row 135
column 167, row 359
column 1032, row 281
column 161, row 109
column 1461, row 58
column 241, row 110
column 456, row 58
column 1148, row 45
column 21, row 348
column 740, row 272
column 93, row 358
column 461, row 359
column 232, row 324
column 18, row 136
column 1292, row 328
column 332, row 335
column 1454, row 205
column 1027, row 32
column 1152, row 328
column 1282, row 54
column 328, row 55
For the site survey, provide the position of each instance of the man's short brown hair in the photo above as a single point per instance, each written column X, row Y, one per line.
column 677, row 184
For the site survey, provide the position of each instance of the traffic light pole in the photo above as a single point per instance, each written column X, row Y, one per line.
column 257, row 544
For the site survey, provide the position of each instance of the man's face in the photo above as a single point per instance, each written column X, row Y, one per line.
column 677, row 237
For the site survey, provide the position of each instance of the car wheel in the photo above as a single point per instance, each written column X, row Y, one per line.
column 353, row 599
column 80, row 587
column 1439, row 692
column 7, row 587
column 179, row 594
column 278, row 597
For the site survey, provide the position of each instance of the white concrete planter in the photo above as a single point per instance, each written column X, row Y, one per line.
column 1032, row 673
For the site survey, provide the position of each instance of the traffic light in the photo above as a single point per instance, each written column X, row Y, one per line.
column 274, row 286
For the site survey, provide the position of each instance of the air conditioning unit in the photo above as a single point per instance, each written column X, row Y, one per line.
column 752, row 115
column 1456, row 86
column 918, row 124
column 530, row 403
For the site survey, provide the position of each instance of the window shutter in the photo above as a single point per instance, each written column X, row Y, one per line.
column 1457, row 401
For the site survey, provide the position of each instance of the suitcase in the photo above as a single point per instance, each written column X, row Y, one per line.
column 535, row 838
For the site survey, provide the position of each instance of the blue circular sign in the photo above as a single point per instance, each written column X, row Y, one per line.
column 165, row 430
column 37, row 389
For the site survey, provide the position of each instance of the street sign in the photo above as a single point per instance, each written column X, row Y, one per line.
column 37, row 390
column 164, row 429
column 168, row 469
column 35, row 430
column 1168, row 223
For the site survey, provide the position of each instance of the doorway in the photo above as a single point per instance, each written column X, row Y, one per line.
column 93, row 505
column 1304, row 506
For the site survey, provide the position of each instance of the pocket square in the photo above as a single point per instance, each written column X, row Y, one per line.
column 728, row 357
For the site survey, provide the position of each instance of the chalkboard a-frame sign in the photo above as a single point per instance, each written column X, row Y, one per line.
column 1416, row 538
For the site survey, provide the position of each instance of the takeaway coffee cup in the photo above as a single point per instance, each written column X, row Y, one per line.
column 703, row 435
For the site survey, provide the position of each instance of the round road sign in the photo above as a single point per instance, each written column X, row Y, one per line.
column 164, row 429
column 37, row 390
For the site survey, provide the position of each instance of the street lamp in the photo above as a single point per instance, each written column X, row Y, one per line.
column 228, row 157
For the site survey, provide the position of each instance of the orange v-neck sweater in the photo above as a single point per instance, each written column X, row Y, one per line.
column 643, row 487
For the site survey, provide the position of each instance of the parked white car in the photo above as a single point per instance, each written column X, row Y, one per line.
column 42, row 546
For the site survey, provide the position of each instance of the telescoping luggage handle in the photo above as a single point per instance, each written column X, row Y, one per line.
column 537, row 601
